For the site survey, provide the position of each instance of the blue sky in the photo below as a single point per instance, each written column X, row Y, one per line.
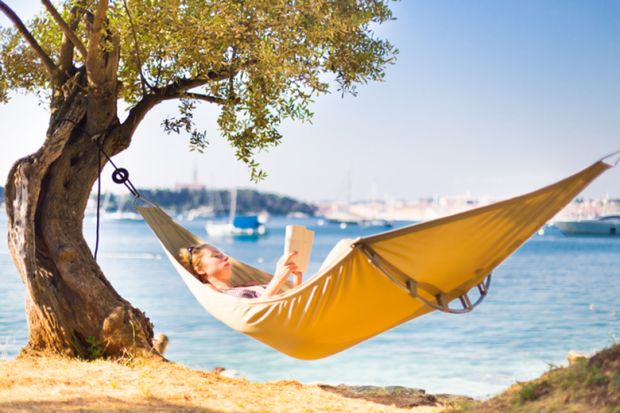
column 491, row 98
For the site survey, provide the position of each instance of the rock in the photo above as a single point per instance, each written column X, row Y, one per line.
column 116, row 330
column 230, row 373
column 574, row 356
column 160, row 343
column 224, row 372
column 402, row 397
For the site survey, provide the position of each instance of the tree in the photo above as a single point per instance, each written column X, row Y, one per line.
column 261, row 61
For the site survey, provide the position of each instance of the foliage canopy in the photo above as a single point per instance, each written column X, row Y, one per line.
column 262, row 61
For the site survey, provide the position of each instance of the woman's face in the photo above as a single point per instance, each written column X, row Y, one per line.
column 214, row 264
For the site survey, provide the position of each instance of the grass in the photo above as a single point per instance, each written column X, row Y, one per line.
column 589, row 385
column 95, row 348
column 533, row 391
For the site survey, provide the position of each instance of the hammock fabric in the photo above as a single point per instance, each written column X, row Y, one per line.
column 371, row 284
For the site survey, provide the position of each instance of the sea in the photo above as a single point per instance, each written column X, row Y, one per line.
column 554, row 295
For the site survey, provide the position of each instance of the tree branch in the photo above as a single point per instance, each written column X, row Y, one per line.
column 65, row 59
column 52, row 69
column 139, row 111
column 176, row 90
column 67, row 47
column 96, row 72
column 136, row 114
column 182, row 85
column 206, row 98
column 65, row 27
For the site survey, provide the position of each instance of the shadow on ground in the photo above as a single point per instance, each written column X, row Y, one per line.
column 102, row 404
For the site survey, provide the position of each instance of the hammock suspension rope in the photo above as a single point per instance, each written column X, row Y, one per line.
column 412, row 286
column 119, row 176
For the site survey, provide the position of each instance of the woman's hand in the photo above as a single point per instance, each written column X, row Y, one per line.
column 285, row 262
column 285, row 265
column 284, row 268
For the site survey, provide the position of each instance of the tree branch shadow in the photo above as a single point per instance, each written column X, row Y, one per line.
column 102, row 404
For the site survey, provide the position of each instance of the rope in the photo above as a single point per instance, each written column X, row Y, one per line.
column 98, row 204
column 609, row 156
column 119, row 176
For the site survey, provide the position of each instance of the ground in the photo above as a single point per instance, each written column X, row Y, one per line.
column 59, row 384
column 52, row 383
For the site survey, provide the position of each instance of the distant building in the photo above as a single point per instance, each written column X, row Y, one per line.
column 192, row 186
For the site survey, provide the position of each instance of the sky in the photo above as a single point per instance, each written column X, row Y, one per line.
column 487, row 98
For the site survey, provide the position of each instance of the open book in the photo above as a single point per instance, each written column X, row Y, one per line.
column 299, row 238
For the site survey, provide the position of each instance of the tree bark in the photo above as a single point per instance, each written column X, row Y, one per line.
column 71, row 307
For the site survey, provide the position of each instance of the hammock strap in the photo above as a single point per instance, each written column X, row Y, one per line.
column 120, row 175
column 413, row 287
column 612, row 162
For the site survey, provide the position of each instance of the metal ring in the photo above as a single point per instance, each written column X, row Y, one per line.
column 120, row 175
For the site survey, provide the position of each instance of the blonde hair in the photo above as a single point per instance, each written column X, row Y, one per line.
column 191, row 257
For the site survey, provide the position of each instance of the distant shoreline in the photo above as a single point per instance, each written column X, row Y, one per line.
column 214, row 203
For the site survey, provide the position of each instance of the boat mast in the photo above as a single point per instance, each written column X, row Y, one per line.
column 233, row 205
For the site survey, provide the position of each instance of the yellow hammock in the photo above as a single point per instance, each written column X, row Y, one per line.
column 371, row 284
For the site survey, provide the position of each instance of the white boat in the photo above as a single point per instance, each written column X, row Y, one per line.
column 121, row 216
column 105, row 214
column 237, row 225
column 341, row 217
column 603, row 225
column 344, row 219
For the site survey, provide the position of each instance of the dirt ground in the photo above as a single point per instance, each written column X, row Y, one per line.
column 58, row 384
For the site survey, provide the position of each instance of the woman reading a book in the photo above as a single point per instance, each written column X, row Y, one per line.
column 210, row 265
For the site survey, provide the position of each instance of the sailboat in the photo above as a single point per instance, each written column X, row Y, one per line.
column 237, row 225
column 120, row 214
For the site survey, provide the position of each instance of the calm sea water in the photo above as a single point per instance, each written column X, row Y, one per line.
column 554, row 295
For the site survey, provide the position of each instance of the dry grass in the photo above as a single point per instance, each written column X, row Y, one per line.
column 58, row 384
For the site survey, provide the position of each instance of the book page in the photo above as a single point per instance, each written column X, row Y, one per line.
column 299, row 238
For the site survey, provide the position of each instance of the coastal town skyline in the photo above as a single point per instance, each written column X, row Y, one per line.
column 489, row 99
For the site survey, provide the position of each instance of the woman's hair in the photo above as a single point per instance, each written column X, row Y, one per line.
column 191, row 257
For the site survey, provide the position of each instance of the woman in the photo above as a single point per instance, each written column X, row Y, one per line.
column 210, row 265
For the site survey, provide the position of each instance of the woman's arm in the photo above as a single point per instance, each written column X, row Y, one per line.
column 298, row 278
column 284, row 268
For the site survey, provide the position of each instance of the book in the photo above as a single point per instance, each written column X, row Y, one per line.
column 299, row 238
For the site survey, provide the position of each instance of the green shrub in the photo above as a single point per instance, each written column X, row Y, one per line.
column 95, row 349
column 532, row 391
column 595, row 377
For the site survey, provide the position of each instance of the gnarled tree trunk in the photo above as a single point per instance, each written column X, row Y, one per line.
column 71, row 307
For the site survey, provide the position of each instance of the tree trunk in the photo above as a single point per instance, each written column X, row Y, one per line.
column 71, row 307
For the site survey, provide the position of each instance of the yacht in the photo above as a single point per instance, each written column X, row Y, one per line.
column 603, row 225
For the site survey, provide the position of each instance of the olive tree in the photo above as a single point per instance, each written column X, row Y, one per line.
column 259, row 61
